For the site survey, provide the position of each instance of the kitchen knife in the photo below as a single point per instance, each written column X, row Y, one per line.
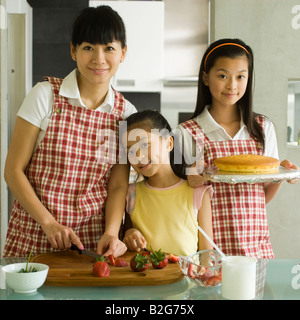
column 86, row 252
column 143, row 249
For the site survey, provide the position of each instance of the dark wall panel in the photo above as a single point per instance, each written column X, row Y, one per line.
column 144, row 100
column 52, row 24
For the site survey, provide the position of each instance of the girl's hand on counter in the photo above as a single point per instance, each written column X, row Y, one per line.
column 290, row 165
column 134, row 240
column 61, row 237
column 109, row 244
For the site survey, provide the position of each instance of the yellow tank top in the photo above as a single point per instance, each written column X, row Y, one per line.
column 166, row 218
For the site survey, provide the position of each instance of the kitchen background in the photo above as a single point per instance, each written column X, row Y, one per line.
column 166, row 41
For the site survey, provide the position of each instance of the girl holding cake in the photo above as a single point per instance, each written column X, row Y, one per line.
column 225, row 124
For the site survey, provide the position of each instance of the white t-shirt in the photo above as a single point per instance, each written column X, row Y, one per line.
column 215, row 132
column 37, row 105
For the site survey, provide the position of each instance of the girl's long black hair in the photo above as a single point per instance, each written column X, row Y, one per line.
column 246, row 102
column 151, row 119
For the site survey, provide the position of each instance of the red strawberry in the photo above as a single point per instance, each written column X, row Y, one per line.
column 101, row 268
column 145, row 252
column 204, row 273
column 120, row 263
column 218, row 272
column 139, row 263
column 111, row 259
column 214, row 280
column 159, row 259
column 173, row 258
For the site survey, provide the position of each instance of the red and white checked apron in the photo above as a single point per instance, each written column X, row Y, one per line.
column 239, row 215
column 69, row 172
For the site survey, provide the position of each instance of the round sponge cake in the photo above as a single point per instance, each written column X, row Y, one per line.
column 247, row 163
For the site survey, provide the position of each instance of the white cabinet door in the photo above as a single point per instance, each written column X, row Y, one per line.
column 142, row 69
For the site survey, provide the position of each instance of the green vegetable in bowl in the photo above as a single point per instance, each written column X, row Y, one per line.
column 31, row 268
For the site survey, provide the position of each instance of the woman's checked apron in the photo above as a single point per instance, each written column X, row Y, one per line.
column 69, row 172
column 239, row 215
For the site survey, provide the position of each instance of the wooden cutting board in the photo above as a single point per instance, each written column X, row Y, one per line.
column 69, row 268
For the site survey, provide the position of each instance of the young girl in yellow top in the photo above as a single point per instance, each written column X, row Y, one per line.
column 164, row 210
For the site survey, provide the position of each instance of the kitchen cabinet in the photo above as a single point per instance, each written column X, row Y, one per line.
column 142, row 70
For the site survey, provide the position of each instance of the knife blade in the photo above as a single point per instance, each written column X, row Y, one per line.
column 86, row 252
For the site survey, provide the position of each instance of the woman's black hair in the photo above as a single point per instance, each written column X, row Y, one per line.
column 245, row 103
column 98, row 25
column 151, row 119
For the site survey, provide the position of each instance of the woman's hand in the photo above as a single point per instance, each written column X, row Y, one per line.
column 19, row 154
column 134, row 240
column 288, row 164
column 109, row 244
column 61, row 237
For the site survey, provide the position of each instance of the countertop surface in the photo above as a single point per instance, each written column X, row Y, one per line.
column 277, row 279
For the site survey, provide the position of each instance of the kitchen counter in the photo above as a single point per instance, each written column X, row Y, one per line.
column 278, row 279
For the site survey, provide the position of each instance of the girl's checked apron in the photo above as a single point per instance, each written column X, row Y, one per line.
column 69, row 172
column 239, row 214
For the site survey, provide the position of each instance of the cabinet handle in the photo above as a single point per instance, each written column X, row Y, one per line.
column 126, row 83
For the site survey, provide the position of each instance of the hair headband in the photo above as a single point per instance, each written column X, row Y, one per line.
column 221, row 45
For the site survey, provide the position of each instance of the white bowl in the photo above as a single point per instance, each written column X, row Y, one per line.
column 25, row 282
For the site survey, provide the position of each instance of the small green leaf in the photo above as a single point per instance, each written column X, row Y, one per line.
column 31, row 269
